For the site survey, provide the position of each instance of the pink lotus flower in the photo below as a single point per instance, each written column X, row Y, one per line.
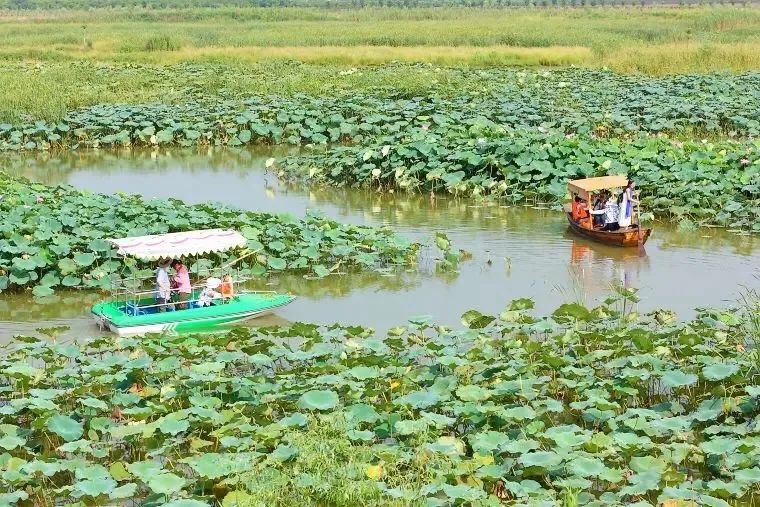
column 40, row 199
column 744, row 162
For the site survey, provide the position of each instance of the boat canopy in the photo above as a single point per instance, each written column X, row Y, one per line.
column 584, row 187
column 179, row 244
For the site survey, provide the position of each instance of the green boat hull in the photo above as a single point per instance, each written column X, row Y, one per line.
column 128, row 320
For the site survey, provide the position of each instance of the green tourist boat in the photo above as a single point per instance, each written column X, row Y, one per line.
column 134, row 312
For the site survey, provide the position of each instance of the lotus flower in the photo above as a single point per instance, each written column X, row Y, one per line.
column 744, row 162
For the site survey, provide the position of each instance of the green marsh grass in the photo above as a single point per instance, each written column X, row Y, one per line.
column 255, row 48
column 595, row 37
column 162, row 43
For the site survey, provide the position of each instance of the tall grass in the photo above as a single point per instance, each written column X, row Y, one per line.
column 686, row 57
column 252, row 45
column 162, row 43
column 600, row 30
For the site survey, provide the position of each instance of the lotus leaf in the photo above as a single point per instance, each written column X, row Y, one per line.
column 719, row 371
column 172, row 426
column 94, row 487
column 10, row 442
column 362, row 413
column 318, row 400
column 419, row 399
column 543, row 459
column 677, row 378
column 166, row 483
column 65, row 427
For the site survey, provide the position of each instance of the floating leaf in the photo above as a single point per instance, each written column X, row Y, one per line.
column 719, row 371
column 677, row 378
column 318, row 400
column 166, row 483
column 65, row 427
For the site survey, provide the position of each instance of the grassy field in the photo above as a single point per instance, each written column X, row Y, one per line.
column 71, row 59
column 626, row 39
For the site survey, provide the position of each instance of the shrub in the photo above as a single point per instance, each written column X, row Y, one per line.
column 162, row 43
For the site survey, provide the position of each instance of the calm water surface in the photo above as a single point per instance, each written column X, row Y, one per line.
column 531, row 253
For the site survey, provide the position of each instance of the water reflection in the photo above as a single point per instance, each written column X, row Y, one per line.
column 517, row 251
column 592, row 267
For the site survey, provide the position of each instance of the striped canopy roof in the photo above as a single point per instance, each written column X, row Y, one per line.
column 179, row 244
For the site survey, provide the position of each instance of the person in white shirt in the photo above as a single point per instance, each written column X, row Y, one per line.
column 209, row 293
column 163, row 286
column 611, row 214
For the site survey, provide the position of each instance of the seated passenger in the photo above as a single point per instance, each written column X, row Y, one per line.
column 580, row 213
column 599, row 203
column 611, row 213
column 209, row 293
column 226, row 288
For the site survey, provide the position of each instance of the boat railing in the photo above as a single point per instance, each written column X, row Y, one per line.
column 134, row 308
column 130, row 296
column 203, row 275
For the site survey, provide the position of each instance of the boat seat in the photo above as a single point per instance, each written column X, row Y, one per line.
column 134, row 310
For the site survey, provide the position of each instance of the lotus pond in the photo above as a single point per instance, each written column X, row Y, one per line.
column 516, row 250
column 585, row 394
column 585, row 406
column 688, row 140
column 53, row 237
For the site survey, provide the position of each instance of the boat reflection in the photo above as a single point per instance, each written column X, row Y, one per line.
column 597, row 269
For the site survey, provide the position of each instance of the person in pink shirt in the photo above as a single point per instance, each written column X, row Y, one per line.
column 181, row 284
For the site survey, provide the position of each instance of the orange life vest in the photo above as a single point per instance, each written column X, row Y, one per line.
column 226, row 289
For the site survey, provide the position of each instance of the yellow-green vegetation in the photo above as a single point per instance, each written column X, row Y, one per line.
column 52, row 53
column 651, row 40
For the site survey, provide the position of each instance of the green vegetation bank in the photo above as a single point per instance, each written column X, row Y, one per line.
column 599, row 407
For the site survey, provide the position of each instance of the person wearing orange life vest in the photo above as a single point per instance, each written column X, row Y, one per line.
column 226, row 288
column 580, row 213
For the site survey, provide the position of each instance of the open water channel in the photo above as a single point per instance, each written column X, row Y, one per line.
column 531, row 252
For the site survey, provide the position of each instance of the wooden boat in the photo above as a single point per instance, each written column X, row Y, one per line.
column 622, row 237
column 585, row 189
column 134, row 311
